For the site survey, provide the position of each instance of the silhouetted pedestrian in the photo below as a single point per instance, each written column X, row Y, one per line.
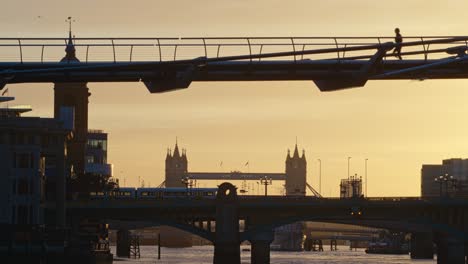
column 398, row 41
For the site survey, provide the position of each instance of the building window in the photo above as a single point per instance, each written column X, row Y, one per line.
column 13, row 214
column 89, row 159
column 97, row 144
column 23, row 160
column 50, row 161
column 19, row 139
column 44, row 141
column 31, row 215
column 23, row 187
column 3, row 138
column 13, row 187
column 31, row 139
column 22, row 214
column 53, row 140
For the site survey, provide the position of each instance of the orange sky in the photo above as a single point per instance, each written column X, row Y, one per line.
column 397, row 125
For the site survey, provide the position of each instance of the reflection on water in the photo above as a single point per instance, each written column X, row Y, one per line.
column 204, row 254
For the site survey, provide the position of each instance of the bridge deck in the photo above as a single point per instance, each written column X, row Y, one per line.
column 175, row 48
column 332, row 63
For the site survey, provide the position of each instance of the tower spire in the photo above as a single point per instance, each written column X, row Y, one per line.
column 70, row 52
column 176, row 149
column 296, row 152
column 69, row 19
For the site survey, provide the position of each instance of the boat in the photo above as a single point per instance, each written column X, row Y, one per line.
column 386, row 248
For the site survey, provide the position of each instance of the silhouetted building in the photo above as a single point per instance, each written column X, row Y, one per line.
column 455, row 185
column 428, row 185
column 351, row 187
column 96, row 153
column 176, row 170
column 33, row 166
column 74, row 95
column 176, row 167
column 296, row 173
column 290, row 237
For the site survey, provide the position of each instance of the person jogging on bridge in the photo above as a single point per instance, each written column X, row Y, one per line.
column 398, row 41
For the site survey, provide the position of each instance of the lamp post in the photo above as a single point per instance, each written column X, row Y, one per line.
column 439, row 180
column 265, row 180
column 188, row 182
column 348, row 166
column 320, row 175
column 365, row 174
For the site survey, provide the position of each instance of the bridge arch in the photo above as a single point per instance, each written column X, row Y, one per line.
column 184, row 227
column 408, row 225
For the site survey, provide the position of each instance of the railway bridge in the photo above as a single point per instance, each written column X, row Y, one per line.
column 447, row 218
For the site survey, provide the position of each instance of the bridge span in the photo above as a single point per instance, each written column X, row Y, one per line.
column 446, row 217
column 165, row 64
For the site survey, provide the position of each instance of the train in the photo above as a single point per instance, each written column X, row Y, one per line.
column 155, row 193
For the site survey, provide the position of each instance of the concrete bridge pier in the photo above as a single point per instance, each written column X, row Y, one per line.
column 227, row 239
column 123, row 243
column 260, row 246
column 422, row 245
column 450, row 250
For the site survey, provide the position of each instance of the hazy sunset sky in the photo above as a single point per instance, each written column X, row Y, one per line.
column 397, row 125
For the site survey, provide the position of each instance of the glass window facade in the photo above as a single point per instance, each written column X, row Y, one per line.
column 97, row 144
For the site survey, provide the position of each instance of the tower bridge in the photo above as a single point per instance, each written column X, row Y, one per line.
column 295, row 175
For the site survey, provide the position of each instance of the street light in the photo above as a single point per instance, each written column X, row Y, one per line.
column 365, row 174
column 348, row 166
column 265, row 180
column 188, row 182
column 320, row 176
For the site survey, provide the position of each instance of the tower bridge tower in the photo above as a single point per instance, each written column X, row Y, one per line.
column 296, row 172
column 176, row 167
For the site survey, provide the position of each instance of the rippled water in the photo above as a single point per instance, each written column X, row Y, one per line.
column 204, row 254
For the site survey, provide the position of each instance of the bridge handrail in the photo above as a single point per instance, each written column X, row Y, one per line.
column 342, row 45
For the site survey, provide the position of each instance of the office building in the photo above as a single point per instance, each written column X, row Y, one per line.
column 33, row 165
column 451, row 175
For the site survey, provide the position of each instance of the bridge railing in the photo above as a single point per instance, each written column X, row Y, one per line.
column 42, row 50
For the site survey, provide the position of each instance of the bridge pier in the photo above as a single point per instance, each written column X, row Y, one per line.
column 450, row 250
column 422, row 245
column 260, row 246
column 123, row 243
column 227, row 240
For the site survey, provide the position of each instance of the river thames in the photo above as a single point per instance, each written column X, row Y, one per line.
column 204, row 255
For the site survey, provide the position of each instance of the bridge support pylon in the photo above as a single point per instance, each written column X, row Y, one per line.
column 260, row 246
column 422, row 246
column 123, row 243
column 450, row 250
column 227, row 240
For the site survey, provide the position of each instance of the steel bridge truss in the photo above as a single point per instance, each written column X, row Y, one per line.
column 166, row 64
